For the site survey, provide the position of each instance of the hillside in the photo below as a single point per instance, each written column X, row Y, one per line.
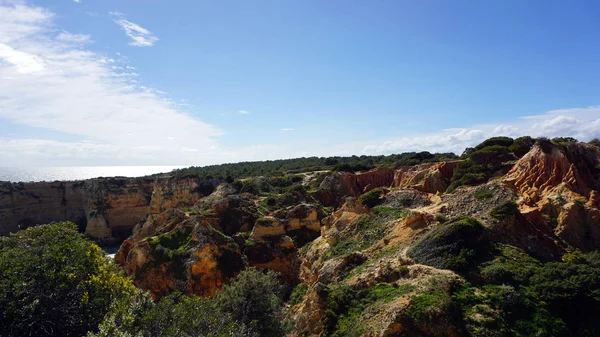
column 502, row 241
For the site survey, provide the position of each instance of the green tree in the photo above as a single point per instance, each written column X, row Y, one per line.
column 253, row 300
column 175, row 315
column 55, row 282
column 491, row 156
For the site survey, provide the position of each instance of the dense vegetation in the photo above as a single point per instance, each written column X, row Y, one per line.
column 55, row 282
column 230, row 172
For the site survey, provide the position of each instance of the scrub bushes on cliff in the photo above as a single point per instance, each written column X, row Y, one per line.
column 515, row 294
column 253, row 301
column 454, row 245
column 54, row 282
column 249, row 307
column 371, row 198
column 174, row 315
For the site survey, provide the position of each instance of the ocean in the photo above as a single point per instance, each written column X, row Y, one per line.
column 18, row 174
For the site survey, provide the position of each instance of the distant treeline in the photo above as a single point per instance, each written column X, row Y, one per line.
column 485, row 157
column 230, row 172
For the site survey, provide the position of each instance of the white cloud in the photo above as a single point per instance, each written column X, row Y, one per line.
column 73, row 38
column 243, row 112
column 23, row 62
column 580, row 123
column 287, row 129
column 77, row 1
column 140, row 36
column 49, row 80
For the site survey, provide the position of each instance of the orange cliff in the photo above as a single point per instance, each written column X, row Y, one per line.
column 428, row 178
column 559, row 190
column 102, row 207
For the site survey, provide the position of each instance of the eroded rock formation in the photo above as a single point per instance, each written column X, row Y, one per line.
column 102, row 207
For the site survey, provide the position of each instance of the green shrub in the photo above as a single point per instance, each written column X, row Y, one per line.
column 425, row 305
column 491, row 157
column 504, row 210
column 253, row 300
column 455, row 245
column 54, row 282
column 371, row 198
column 171, row 316
column 298, row 294
column 484, row 194
column 572, row 291
column 495, row 141
column 345, row 306
column 441, row 218
column 521, row 146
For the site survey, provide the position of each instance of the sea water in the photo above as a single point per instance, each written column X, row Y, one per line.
column 19, row 174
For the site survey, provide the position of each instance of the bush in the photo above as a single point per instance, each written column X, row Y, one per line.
column 455, row 245
column 54, row 282
column 345, row 305
column 371, row 198
column 253, row 300
column 495, row 141
column 298, row 294
column 171, row 316
column 521, row 146
column 504, row 210
column 484, row 194
column 491, row 157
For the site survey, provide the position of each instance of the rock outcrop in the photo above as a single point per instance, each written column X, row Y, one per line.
column 185, row 254
column 558, row 191
column 429, row 177
column 102, row 207
column 336, row 187
column 574, row 166
column 199, row 250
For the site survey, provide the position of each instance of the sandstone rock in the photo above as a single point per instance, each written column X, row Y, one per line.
column 102, row 207
column 429, row 177
column 539, row 172
column 276, row 253
column 184, row 254
column 336, row 187
column 267, row 227
column 562, row 185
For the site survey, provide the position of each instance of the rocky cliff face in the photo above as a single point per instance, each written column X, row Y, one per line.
column 558, row 191
column 189, row 252
column 195, row 236
column 102, row 207
column 429, row 178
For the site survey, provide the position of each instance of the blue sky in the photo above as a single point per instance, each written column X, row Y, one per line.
column 94, row 82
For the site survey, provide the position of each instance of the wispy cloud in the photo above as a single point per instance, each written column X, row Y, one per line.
column 287, row 129
column 580, row 123
column 140, row 36
column 243, row 112
column 50, row 80
column 77, row 1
